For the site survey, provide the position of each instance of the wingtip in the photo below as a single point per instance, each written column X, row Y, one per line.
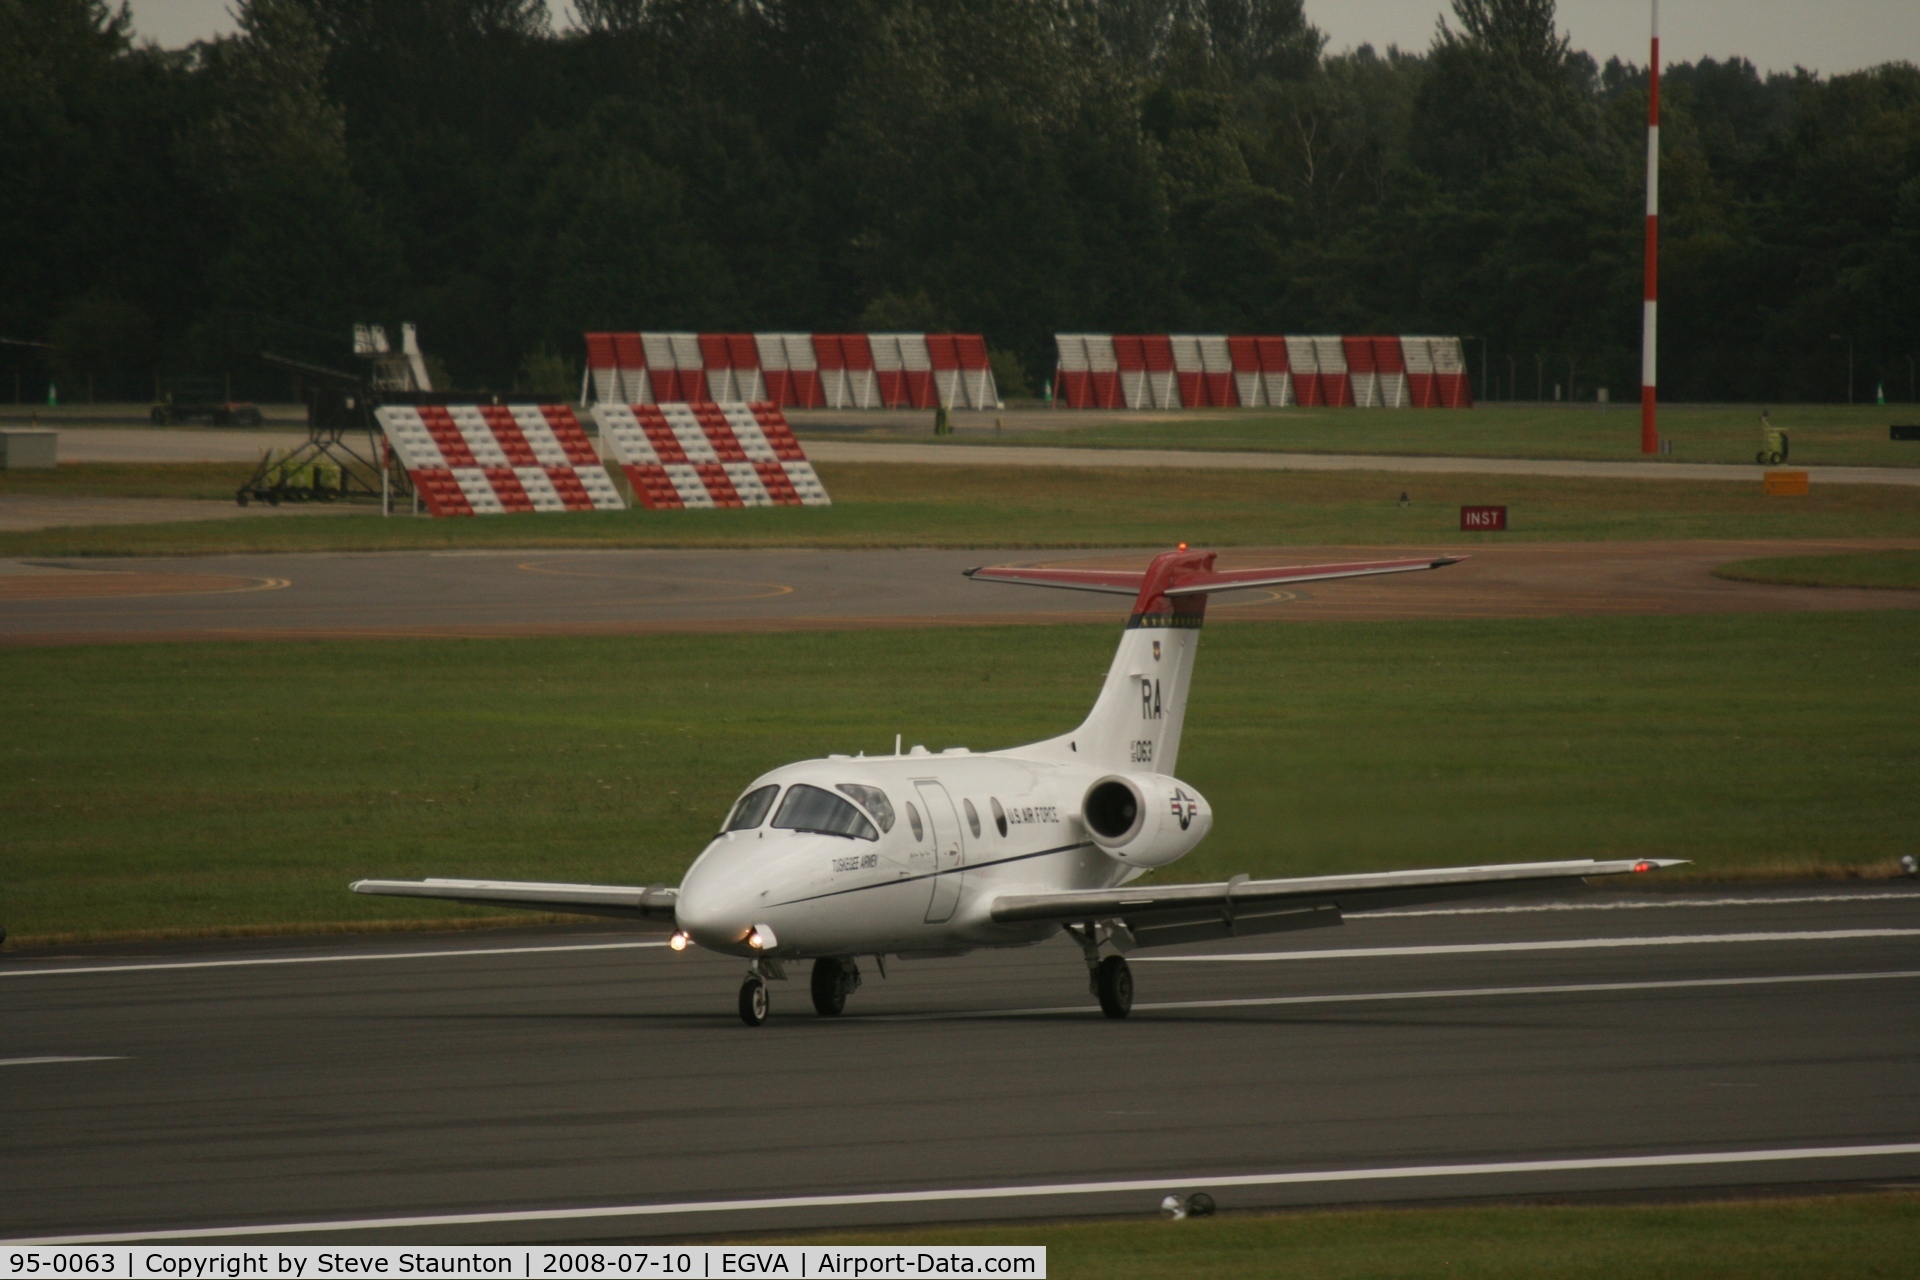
column 968, row 573
column 1443, row 561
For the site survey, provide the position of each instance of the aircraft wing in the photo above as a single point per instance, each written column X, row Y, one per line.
column 1127, row 582
column 624, row 902
column 1162, row 916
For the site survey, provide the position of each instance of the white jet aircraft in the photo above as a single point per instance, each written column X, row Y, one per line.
column 927, row 854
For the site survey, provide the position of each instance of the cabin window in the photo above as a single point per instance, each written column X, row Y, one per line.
column 875, row 800
column 999, row 816
column 813, row 809
column 750, row 810
column 913, row 819
column 973, row 818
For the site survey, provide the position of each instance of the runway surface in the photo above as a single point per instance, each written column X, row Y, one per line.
column 1715, row 1038
column 643, row 591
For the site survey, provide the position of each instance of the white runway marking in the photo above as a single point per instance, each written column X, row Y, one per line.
column 1565, row 944
column 34, row 1062
column 50, row 971
column 1675, row 1160
column 1642, row 906
column 1451, row 993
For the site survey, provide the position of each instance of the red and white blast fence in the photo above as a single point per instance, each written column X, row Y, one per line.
column 491, row 459
column 793, row 370
column 709, row 455
column 471, row 459
column 1198, row 371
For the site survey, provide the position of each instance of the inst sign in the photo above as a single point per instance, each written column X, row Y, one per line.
column 1483, row 519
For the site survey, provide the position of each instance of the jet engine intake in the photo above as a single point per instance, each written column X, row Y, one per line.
column 1145, row 819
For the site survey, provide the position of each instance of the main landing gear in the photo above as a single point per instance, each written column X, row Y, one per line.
column 834, row 979
column 1110, row 978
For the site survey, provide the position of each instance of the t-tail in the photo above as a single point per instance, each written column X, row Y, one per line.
column 1136, row 721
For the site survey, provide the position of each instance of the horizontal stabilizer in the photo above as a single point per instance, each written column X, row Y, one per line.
column 1195, row 582
column 1195, row 912
column 623, row 902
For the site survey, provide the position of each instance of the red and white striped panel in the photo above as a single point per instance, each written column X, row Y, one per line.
column 1330, row 353
column 1276, row 374
column 710, row 455
column 1130, row 354
column 487, row 459
column 663, row 380
column 1217, row 361
column 1072, row 385
column 1361, row 373
column 716, row 362
column 604, row 366
column 775, row 376
column 1190, row 367
column 1103, row 371
column 857, row 354
column 803, row 369
column 944, row 355
column 1163, row 380
column 634, row 386
column 1391, row 367
column 916, row 370
column 1450, row 374
column 976, row 369
column 748, row 384
column 1245, row 353
column 1306, row 371
column 890, row 369
column 1419, row 358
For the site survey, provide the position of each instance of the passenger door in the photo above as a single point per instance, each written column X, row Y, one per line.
column 949, row 851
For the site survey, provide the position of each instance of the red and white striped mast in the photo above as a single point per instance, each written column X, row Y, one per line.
column 1649, row 321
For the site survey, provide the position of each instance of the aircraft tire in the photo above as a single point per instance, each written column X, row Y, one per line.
column 830, row 987
column 753, row 1001
column 1116, row 987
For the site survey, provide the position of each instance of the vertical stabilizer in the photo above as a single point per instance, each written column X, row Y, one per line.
column 1135, row 723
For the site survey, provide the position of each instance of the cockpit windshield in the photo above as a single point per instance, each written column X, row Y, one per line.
column 812, row 809
column 750, row 810
column 875, row 800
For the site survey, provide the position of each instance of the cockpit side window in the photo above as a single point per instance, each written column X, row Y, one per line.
column 813, row 809
column 875, row 800
column 750, row 810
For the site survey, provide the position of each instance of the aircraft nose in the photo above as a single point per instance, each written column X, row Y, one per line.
column 715, row 908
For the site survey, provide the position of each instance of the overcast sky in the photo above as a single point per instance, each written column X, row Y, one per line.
column 1828, row 36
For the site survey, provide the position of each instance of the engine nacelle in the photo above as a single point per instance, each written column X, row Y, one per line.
column 1145, row 819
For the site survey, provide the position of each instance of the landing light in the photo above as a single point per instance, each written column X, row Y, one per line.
column 679, row 941
column 761, row 938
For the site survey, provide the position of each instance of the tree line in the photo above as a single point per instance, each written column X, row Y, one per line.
column 1012, row 167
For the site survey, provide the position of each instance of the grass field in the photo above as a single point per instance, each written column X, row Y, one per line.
column 1894, row 569
column 217, row 786
column 890, row 505
column 1821, row 435
column 213, row 480
column 1813, row 1238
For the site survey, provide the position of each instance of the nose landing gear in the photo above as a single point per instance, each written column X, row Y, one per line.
column 834, row 979
column 754, row 1001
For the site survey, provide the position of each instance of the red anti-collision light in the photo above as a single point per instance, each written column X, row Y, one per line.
column 1643, row 866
